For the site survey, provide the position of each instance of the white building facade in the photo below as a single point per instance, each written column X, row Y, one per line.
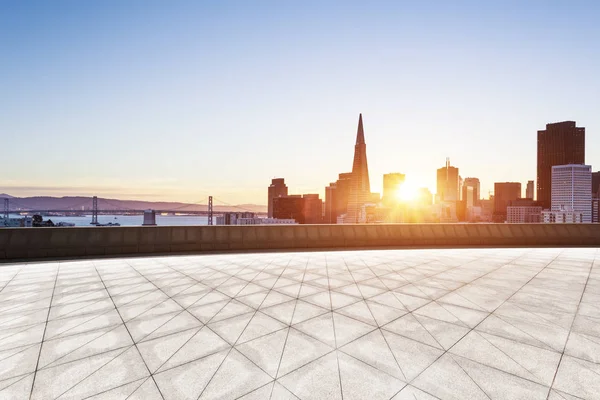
column 572, row 192
column 562, row 217
column 523, row 214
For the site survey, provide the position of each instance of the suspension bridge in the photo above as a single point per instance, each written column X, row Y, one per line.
column 91, row 206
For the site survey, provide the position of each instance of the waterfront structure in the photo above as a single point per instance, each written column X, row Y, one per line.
column 336, row 198
column 391, row 186
column 572, row 189
column 150, row 218
column 278, row 188
column 447, row 183
column 560, row 143
column 564, row 216
column 523, row 214
column 529, row 190
column 265, row 221
column 504, row 194
column 360, row 188
column 24, row 222
column 231, row 218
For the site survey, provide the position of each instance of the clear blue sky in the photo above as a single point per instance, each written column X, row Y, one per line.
column 175, row 100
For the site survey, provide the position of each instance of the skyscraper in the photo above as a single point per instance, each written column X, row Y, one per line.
column 278, row 188
column 561, row 143
column 504, row 194
column 529, row 190
column 360, row 188
column 471, row 192
column 391, row 185
column 572, row 189
column 447, row 183
column 336, row 198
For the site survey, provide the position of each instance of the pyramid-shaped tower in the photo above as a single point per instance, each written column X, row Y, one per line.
column 360, row 189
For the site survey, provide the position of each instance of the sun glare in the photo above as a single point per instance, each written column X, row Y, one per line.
column 407, row 192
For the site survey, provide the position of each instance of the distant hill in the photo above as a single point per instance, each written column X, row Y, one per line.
column 4, row 196
column 79, row 203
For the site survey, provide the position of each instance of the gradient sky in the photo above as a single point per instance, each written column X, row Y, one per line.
column 175, row 100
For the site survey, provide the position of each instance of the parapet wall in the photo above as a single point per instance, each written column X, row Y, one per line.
column 75, row 242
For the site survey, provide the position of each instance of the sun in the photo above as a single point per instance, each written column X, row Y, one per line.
column 406, row 192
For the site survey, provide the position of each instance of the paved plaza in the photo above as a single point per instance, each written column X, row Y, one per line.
column 391, row 324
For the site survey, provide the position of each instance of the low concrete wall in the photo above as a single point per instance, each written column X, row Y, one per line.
column 32, row 243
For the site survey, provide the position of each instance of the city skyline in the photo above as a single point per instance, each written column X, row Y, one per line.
column 179, row 102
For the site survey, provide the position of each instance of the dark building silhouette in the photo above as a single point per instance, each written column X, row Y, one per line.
column 276, row 189
column 291, row 206
column 596, row 184
column 447, row 183
column 312, row 209
column 561, row 143
column 360, row 188
column 505, row 193
column 307, row 209
column 336, row 198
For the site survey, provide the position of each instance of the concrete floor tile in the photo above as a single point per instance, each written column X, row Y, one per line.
column 318, row 380
column 236, row 377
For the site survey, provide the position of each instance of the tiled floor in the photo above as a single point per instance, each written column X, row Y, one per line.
column 407, row 324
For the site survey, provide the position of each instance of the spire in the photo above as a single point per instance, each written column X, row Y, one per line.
column 360, row 134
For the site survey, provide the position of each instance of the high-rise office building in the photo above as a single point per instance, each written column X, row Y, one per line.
column 572, row 190
column 447, row 183
column 529, row 190
column 336, row 198
column 277, row 188
column 360, row 188
column 471, row 192
column 596, row 184
column 305, row 209
column 504, row 194
column 391, row 186
column 561, row 143
column 312, row 209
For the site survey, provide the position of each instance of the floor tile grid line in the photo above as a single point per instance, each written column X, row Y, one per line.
column 570, row 329
column 54, row 364
column 230, row 298
column 199, row 330
column 61, row 335
column 142, row 380
column 235, row 343
column 44, row 334
column 10, row 280
column 211, row 288
column 288, row 335
column 451, row 269
column 548, row 346
column 472, row 329
column 334, row 334
column 381, row 333
column 469, row 376
column 512, row 359
column 132, row 340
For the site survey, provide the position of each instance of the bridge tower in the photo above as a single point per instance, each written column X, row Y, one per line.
column 94, row 211
column 6, row 207
column 210, row 210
